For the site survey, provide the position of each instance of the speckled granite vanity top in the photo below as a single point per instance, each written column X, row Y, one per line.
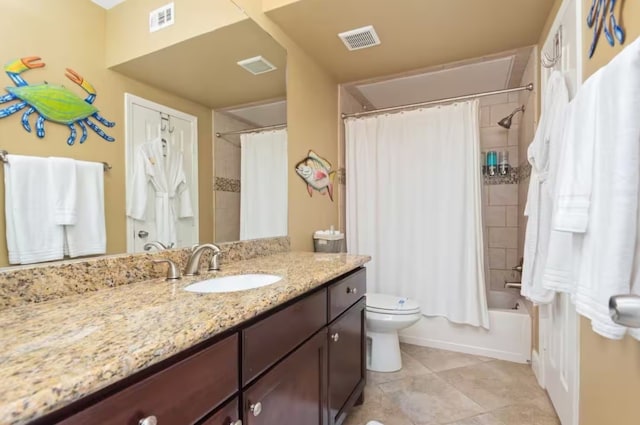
column 56, row 352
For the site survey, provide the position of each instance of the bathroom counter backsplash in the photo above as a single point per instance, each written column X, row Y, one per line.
column 43, row 282
column 58, row 351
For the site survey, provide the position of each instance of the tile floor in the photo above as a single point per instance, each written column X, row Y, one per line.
column 437, row 387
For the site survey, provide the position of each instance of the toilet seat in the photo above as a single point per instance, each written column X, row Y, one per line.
column 390, row 304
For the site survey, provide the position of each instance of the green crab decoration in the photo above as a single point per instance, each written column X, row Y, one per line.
column 52, row 102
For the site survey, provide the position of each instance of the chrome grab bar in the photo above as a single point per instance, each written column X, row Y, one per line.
column 625, row 310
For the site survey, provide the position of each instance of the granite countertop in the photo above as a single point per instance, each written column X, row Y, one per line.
column 55, row 352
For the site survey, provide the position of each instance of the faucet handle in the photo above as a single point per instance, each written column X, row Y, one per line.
column 172, row 272
column 214, row 264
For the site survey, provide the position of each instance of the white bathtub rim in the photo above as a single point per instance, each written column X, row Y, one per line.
column 467, row 349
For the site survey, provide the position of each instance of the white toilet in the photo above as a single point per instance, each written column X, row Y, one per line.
column 385, row 316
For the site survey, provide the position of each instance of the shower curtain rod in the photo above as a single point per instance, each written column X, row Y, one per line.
column 253, row 130
column 435, row 102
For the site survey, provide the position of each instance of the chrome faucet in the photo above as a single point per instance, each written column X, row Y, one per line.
column 155, row 244
column 194, row 259
column 172, row 272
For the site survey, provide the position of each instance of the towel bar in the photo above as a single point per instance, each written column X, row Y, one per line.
column 625, row 310
column 4, row 158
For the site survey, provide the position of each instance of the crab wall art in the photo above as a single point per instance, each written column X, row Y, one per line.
column 52, row 102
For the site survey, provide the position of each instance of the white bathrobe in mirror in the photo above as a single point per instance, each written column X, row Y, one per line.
column 159, row 165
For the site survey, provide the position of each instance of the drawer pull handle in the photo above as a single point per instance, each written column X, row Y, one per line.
column 335, row 337
column 255, row 409
column 149, row 420
column 352, row 290
column 238, row 422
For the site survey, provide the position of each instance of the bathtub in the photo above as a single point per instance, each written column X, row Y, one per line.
column 508, row 339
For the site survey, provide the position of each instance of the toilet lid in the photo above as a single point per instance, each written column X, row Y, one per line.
column 390, row 304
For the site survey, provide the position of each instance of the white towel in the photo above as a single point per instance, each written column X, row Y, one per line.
column 604, row 204
column 10, row 227
column 564, row 248
column 32, row 235
column 88, row 235
column 541, row 155
column 62, row 175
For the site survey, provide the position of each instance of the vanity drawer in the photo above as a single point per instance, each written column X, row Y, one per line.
column 180, row 394
column 346, row 292
column 267, row 341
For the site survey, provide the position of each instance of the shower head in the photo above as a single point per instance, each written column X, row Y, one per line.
column 506, row 121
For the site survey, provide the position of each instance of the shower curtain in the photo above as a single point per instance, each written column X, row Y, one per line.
column 414, row 204
column 263, row 184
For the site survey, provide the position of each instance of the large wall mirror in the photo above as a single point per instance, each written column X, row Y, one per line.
column 239, row 72
column 245, row 106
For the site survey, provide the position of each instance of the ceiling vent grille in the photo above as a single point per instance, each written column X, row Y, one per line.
column 161, row 17
column 360, row 38
column 257, row 65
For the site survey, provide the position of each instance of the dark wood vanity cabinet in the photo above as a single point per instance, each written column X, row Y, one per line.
column 293, row 392
column 302, row 364
column 229, row 414
column 347, row 344
column 180, row 394
column 347, row 371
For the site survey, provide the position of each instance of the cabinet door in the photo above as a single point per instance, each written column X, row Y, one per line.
column 293, row 392
column 347, row 370
column 227, row 415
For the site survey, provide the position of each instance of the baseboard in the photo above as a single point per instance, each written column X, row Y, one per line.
column 467, row 349
column 536, row 366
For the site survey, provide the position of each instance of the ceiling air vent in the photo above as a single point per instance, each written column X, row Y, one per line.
column 360, row 38
column 257, row 65
column 161, row 17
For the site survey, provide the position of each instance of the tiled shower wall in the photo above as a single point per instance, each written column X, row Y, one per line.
column 500, row 201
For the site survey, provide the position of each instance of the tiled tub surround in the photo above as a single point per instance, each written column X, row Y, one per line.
column 31, row 284
column 500, row 194
column 58, row 351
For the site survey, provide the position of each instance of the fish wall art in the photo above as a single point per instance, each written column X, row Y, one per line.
column 52, row 102
column 317, row 174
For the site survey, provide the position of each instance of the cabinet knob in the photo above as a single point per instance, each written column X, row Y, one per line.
column 255, row 409
column 149, row 420
column 352, row 290
column 335, row 337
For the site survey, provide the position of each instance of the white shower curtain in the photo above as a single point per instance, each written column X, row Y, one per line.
column 414, row 204
column 263, row 184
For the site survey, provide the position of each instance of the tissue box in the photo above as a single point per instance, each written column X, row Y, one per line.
column 327, row 241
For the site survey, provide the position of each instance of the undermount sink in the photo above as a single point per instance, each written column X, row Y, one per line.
column 234, row 283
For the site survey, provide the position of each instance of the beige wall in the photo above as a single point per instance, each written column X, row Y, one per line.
column 76, row 40
column 609, row 370
column 348, row 104
column 312, row 123
column 526, row 131
column 127, row 28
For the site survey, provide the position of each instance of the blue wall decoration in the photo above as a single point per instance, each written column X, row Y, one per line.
column 52, row 102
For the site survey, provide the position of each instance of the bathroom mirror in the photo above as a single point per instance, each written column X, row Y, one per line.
column 198, row 75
